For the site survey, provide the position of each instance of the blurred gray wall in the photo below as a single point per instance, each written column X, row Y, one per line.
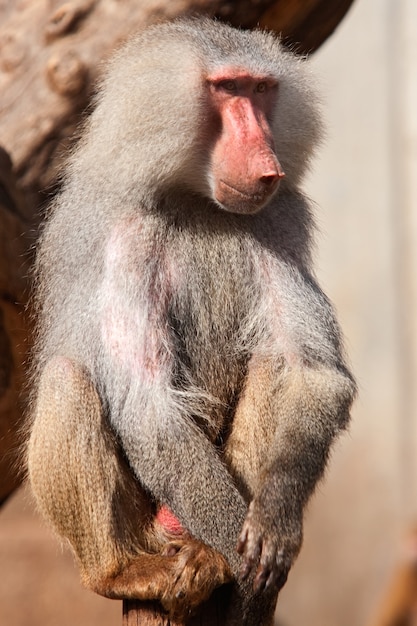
column 365, row 185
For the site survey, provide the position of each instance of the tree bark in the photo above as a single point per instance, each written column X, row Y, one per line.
column 14, row 323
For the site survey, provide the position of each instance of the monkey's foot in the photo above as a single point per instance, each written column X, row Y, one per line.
column 181, row 578
column 267, row 550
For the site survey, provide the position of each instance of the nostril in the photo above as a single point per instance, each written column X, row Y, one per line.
column 269, row 179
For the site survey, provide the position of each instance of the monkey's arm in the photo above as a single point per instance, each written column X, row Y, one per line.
column 180, row 467
column 299, row 400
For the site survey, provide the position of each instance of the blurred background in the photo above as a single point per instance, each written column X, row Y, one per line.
column 365, row 186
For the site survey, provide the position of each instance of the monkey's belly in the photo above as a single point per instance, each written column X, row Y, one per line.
column 213, row 382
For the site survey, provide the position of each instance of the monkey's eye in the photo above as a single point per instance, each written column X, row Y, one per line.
column 261, row 87
column 228, row 85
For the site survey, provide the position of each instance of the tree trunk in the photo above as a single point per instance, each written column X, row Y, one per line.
column 14, row 328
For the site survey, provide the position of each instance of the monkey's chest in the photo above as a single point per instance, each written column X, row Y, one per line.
column 206, row 325
column 177, row 316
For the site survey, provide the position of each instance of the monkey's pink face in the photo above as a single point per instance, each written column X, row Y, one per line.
column 245, row 171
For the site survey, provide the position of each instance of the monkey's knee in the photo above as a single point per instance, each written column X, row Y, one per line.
column 73, row 463
column 65, row 404
column 65, row 394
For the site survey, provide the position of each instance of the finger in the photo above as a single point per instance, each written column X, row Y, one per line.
column 251, row 558
column 261, row 578
column 243, row 538
column 282, row 579
column 246, row 569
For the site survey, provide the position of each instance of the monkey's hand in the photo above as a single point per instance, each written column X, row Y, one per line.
column 198, row 570
column 269, row 546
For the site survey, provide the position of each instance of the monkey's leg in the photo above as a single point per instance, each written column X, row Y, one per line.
column 286, row 419
column 83, row 486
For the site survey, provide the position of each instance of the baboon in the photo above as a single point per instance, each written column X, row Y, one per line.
column 189, row 372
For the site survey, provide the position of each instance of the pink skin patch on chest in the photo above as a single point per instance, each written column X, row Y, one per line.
column 136, row 299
